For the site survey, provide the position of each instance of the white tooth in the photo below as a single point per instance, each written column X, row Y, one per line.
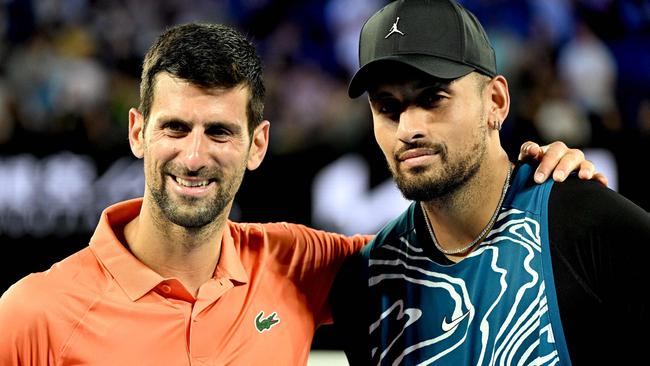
column 188, row 183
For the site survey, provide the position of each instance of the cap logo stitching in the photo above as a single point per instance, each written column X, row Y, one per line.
column 394, row 29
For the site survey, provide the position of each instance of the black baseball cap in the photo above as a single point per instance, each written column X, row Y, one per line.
column 438, row 37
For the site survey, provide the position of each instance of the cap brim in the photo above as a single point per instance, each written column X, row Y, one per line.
column 434, row 66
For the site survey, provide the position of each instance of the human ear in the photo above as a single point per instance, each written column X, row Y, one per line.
column 136, row 132
column 499, row 101
column 259, row 145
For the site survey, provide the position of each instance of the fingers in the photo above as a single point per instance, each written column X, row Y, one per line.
column 559, row 160
column 568, row 160
column 588, row 172
column 601, row 178
column 529, row 150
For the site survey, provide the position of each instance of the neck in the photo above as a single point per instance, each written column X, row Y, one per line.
column 190, row 255
column 460, row 221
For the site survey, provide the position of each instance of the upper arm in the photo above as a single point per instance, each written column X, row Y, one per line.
column 307, row 249
column 606, row 235
column 24, row 336
column 599, row 242
column 311, row 258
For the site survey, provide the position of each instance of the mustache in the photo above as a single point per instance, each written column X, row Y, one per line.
column 436, row 147
column 201, row 173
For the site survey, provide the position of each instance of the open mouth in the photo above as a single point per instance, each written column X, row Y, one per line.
column 192, row 182
column 192, row 186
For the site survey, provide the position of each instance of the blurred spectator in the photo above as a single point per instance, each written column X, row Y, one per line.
column 553, row 20
column 30, row 75
column 589, row 70
column 643, row 119
column 6, row 119
column 635, row 15
column 70, row 68
column 560, row 118
column 344, row 20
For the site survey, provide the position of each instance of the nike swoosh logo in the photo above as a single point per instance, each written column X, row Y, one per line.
column 446, row 327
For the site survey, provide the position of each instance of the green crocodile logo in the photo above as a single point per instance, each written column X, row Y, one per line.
column 262, row 324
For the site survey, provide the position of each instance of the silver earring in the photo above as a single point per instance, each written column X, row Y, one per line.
column 497, row 125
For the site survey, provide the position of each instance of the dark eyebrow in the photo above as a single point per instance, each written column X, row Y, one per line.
column 380, row 95
column 165, row 121
column 424, row 85
column 234, row 127
column 436, row 84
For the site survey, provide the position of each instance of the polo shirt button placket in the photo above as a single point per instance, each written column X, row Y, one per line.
column 166, row 288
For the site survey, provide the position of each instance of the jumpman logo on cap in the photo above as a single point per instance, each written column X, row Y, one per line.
column 394, row 29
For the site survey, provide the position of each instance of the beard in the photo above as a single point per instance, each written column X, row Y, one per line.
column 423, row 184
column 195, row 212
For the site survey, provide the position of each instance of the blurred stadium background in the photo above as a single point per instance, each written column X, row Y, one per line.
column 579, row 71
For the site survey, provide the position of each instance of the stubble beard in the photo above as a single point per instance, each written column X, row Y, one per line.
column 192, row 212
column 425, row 184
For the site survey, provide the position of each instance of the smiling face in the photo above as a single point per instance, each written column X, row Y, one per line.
column 196, row 148
column 432, row 132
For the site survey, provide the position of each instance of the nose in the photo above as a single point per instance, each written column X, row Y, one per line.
column 195, row 153
column 411, row 123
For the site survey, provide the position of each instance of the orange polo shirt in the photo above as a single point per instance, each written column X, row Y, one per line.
column 101, row 306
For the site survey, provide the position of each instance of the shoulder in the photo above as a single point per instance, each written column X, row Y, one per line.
column 24, row 321
column 294, row 236
column 589, row 203
column 27, row 309
column 37, row 296
column 40, row 311
column 397, row 227
column 294, row 243
column 23, row 301
column 589, row 224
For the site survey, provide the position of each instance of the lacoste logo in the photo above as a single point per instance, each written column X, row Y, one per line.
column 394, row 29
column 446, row 327
column 262, row 324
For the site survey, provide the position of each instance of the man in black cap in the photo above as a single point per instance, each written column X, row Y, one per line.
column 168, row 279
column 485, row 267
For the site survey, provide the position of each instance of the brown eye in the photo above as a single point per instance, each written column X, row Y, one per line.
column 389, row 107
column 429, row 99
column 218, row 131
column 175, row 128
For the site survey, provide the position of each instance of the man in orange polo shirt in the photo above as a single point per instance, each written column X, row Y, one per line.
column 167, row 279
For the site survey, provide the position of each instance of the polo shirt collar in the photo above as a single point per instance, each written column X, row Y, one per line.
column 230, row 265
column 135, row 278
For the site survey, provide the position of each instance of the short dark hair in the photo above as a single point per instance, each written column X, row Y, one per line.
column 209, row 56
